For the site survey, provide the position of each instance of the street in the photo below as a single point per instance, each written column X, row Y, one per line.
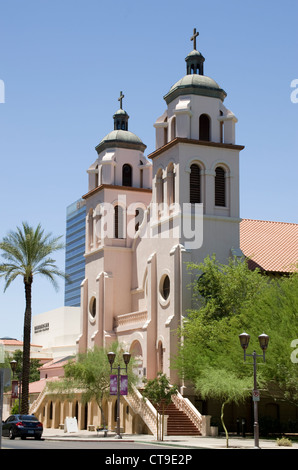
column 59, row 444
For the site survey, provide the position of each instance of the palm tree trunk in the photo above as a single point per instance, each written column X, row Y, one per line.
column 26, row 347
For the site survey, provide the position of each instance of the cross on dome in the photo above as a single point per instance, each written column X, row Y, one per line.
column 194, row 38
column 120, row 99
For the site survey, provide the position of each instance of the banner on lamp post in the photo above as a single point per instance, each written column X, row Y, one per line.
column 124, row 385
column 14, row 389
column 114, row 384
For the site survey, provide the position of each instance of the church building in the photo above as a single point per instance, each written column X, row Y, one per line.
column 148, row 217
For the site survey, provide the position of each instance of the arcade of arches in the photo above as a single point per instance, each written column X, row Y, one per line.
column 53, row 410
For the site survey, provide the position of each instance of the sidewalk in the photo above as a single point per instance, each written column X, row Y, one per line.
column 191, row 442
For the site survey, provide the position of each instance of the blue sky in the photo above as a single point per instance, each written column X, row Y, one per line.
column 63, row 64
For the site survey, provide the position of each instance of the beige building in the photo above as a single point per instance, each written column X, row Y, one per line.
column 57, row 331
column 147, row 218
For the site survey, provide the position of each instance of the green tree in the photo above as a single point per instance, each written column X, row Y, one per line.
column 230, row 299
column 90, row 373
column 224, row 386
column 34, row 365
column 222, row 290
column 276, row 314
column 159, row 392
column 27, row 252
column 209, row 334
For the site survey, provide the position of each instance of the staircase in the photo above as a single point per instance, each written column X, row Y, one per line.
column 179, row 424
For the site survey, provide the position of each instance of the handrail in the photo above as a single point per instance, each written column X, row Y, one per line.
column 34, row 405
column 185, row 405
column 144, row 408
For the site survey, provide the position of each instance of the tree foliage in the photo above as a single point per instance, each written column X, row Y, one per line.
column 28, row 252
column 89, row 374
column 159, row 392
column 35, row 364
column 276, row 314
column 227, row 300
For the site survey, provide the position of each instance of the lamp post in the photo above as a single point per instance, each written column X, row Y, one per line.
column 13, row 365
column 111, row 358
column 263, row 341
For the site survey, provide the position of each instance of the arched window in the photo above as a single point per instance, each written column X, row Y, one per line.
column 220, row 186
column 159, row 187
column 165, row 132
column 96, row 176
column 195, row 184
column 118, row 222
column 204, row 127
column 171, row 184
column 141, row 175
column 173, row 128
column 126, row 175
column 90, row 229
column 139, row 215
column 221, row 128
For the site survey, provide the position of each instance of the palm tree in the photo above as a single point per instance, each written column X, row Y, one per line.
column 27, row 252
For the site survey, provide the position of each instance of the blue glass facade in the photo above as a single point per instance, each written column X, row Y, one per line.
column 74, row 252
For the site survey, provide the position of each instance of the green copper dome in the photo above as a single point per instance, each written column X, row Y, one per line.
column 197, row 85
column 195, row 82
column 121, row 138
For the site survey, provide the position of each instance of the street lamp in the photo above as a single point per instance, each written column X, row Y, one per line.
column 111, row 358
column 13, row 366
column 263, row 341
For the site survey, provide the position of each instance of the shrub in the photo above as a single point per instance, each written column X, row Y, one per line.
column 283, row 441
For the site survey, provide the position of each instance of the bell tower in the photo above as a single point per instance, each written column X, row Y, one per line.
column 195, row 138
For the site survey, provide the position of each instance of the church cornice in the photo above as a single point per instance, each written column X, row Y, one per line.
column 183, row 140
column 118, row 188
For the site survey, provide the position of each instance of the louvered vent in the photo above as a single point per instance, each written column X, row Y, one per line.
column 119, row 222
column 220, row 187
column 195, row 184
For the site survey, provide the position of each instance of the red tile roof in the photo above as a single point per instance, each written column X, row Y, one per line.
column 38, row 386
column 53, row 364
column 272, row 246
column 16, row 342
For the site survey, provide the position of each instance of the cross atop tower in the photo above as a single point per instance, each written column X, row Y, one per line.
column 194, row 38
column 120, row 99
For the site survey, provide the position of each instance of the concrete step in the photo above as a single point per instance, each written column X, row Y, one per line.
column 179, row 423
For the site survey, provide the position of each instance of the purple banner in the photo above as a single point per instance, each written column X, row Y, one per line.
column 113, row 384
column 123, row 385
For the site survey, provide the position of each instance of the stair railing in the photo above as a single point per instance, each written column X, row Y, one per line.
column 185, row 405
column 144, row 408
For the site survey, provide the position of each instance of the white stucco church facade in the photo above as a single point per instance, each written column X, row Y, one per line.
column 148, row 217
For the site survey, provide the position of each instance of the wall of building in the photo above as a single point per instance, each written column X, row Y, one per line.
column 57, row 331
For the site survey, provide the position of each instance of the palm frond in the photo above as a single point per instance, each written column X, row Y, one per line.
column 27, row 251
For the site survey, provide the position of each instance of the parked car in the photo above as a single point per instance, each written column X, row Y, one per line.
column 22, row 426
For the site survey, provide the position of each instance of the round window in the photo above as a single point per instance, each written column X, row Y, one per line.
column 165, row 287
column 92, row 307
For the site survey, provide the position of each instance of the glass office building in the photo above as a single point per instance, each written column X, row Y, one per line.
column 74, row 252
